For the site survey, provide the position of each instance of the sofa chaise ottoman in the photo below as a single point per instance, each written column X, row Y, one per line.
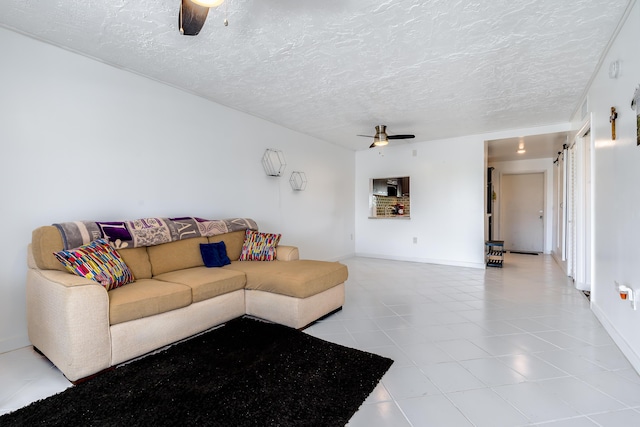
column 84, row 328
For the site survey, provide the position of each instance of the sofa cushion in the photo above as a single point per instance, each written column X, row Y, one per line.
column 214, row 254
column 233, row 241
column 97, row 261
column 176, row 255
column 45, row 241
column 299, row 278
column 206, row 282
column 146, row 297
column 137, row 259
column 259, row 246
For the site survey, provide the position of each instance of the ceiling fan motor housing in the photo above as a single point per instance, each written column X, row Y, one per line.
column 380, row 137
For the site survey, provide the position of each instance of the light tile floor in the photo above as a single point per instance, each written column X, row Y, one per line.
column 510, row 347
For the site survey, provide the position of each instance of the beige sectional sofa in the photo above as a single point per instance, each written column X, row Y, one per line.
column 83, row 328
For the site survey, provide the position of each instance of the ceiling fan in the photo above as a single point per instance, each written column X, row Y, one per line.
column 381, row 138
column 193, row 14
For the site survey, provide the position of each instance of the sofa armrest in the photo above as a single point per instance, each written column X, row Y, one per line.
column 68, row 321
column 287, row 253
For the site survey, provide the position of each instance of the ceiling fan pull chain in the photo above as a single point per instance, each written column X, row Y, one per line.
column 226, row 13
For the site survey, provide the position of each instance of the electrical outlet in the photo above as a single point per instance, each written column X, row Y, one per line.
column 415, row 240
column 351, row 236
column 415, row 153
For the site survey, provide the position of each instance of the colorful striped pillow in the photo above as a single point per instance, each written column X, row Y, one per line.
column 259, row 246
column 97, row 261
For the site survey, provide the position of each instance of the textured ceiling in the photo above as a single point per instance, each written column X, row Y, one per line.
column 535, row 147
column 336, row 68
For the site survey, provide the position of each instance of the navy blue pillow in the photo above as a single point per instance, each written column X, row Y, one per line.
column 214, row 254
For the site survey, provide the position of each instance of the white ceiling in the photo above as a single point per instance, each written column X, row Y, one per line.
column 535, row 147
column 333, row 69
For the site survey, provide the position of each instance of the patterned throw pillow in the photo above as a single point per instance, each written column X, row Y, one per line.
column 259, row 246
column 214, row 254
column 97, row 261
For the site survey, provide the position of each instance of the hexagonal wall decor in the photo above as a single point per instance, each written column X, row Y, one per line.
column 273, row 162
column 298, row 181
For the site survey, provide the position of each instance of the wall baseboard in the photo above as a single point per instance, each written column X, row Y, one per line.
column 622, row 344
column 423, row 260
column 558, row 259
column 342, row 257
column 14, row 343
column 581, row 286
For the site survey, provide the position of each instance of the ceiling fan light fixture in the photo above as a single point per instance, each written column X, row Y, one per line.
column 208, row 3
column 379, row 141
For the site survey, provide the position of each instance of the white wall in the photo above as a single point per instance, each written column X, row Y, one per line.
column 81, row 140
column 616, row 190
column 447, row 202
column 544, row 166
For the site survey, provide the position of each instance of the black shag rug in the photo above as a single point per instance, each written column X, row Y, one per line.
column 246, row 373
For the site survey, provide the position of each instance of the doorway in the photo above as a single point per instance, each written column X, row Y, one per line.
column 579, row 222
column 522, row 212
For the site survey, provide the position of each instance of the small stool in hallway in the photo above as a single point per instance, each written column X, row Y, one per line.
column 494, row 254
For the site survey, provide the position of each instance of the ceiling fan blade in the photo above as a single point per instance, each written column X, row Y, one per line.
column 400, row 136
column 191, row 18
column 381, row 137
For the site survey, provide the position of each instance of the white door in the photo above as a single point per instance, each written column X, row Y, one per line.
column 581, row 257
column 522, row 213
column 572, row 189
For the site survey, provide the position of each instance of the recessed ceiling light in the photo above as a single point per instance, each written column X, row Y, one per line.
column 521, row 151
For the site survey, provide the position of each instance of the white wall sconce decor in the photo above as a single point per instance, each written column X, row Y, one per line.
column 273, row 162
column 298, row 181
